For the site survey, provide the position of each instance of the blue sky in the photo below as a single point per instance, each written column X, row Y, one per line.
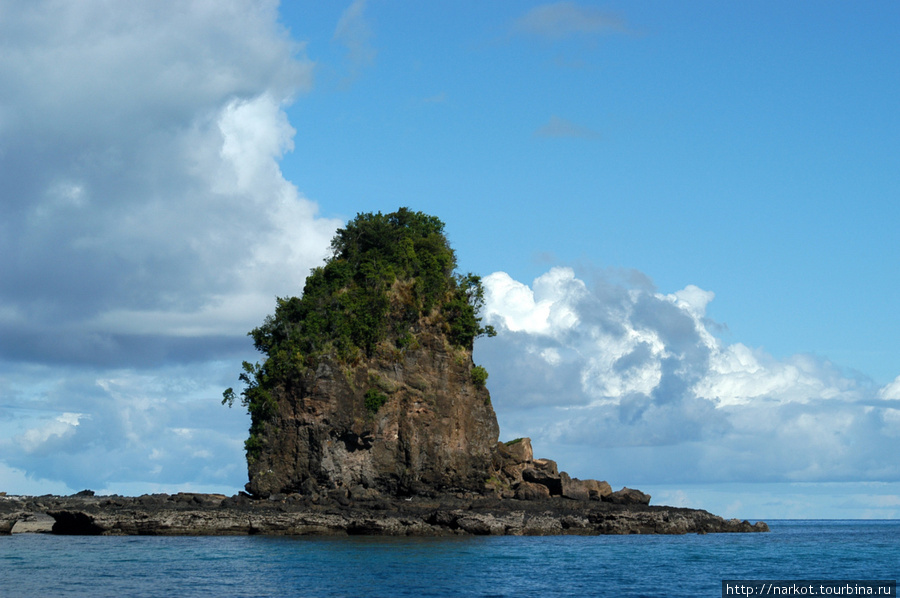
column 684, row 214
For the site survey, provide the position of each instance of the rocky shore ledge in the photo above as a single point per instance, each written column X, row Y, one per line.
column 343, row 514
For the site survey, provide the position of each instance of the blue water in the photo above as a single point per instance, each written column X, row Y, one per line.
column 621, row 566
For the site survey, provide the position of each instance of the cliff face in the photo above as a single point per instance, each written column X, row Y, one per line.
column 435, row 429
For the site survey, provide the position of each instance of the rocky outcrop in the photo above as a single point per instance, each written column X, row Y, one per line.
column 405, row 421
column 519, row 475
column 339, row 514
column 629, row 496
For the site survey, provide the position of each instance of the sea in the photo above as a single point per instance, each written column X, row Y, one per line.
column 617, row 566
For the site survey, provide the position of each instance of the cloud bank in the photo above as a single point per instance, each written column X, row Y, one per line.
column 144, row 222
column 622, row 381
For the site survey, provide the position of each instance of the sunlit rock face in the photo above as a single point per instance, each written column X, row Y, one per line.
column 403, row 421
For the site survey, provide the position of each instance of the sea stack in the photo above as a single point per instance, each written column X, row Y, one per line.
column 368, row 383
column 400, row 421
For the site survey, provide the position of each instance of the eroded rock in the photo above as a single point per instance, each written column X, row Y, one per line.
column 435, row 431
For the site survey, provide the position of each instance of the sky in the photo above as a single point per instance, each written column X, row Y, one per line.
column 684, row 214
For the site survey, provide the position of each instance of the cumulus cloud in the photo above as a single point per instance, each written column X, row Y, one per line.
column 142, row 194
column 144, row 222
column 563, row 19
column 163, row 428
column 614, row 375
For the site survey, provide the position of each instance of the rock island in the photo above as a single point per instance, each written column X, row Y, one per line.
column 369, row 416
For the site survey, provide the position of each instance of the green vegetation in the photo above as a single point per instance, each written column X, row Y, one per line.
column 374, row 400
column 386, row 273
column 479, row 375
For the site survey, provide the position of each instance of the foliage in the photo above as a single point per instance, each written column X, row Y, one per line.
column 258, row 401
column 374, row 400
column 479, row 375
column 386, row 272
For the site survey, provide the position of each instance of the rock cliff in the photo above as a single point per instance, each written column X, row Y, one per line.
column 368, row 382
column 403, row 421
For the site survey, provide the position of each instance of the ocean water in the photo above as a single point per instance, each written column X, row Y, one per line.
column 620, row 566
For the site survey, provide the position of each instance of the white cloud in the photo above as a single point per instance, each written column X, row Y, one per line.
column 142, row 191
column 161, row 429
column 891, row 391
column 354, row 33
column 617, row 374
column 560, row 127
column 57, row 428
column 544, row 310
column 563, row 19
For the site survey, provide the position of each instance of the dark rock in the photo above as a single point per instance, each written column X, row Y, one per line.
column 628, row 496
column 531, row 491
column 436, row 431
column 596, row 489
column 75, row 524
column 573, row 488
column 546, row 465
column 444, row 514
column 544, row 478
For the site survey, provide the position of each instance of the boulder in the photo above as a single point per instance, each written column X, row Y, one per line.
column 596, row 489
column 544, row 478
column 531, row 491
column 573, row 487
column 519, row 450
column 628, row 496
column 546, row 465
column 512, row 458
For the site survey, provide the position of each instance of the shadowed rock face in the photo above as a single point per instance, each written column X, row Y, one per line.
column 435, row 431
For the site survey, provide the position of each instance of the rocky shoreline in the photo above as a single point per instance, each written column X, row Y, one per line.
column 187, row 514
